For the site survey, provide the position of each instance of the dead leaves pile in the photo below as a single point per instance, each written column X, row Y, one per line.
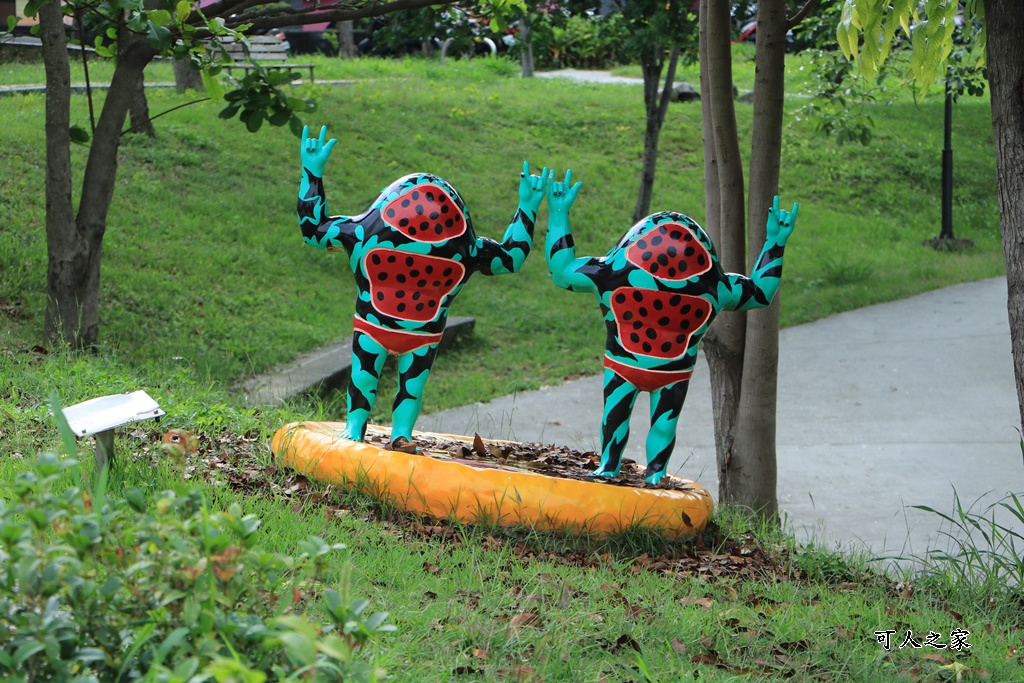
column 243, row 463
column 526, row 456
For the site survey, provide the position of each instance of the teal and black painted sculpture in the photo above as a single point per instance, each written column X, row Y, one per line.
column 411, row 252
column 659, row 289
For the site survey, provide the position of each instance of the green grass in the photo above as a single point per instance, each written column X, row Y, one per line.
column 203, row 261
column 500, row 605
column 205, row 279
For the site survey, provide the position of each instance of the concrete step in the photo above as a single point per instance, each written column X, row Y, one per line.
column 323, row 370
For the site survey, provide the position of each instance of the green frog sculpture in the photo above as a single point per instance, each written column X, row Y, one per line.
column 659, row 288
column 412, row 251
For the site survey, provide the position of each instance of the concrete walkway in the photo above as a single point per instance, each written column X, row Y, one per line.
column 880, row 409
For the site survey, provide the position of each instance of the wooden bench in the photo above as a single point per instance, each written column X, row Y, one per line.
column 270, row 52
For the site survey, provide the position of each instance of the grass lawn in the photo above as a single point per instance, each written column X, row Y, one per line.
column 203, row 262
column 205, row 280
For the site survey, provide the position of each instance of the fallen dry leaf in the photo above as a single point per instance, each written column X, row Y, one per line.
column 519, row 672
column 525, row 619
column 703, row 602
column 625, row 640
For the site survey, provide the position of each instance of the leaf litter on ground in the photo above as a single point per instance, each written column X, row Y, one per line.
column 240, row 461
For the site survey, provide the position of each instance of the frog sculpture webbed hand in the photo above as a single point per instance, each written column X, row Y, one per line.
column 411, row 253
column 659, row 289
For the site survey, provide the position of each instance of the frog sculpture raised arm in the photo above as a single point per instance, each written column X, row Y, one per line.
column 411, row 253
column 659, row 289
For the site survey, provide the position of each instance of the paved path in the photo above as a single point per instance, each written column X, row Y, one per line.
column 879, row 409
column 590, row 76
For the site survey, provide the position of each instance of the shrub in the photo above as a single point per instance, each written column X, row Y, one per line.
column 583, row 41
column 164, row 589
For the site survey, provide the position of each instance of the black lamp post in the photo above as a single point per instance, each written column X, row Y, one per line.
column 947, row 167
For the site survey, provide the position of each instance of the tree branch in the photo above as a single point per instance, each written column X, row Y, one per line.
column 264, row 18
column 220, row 8
column 168, row 111
column 794, row 21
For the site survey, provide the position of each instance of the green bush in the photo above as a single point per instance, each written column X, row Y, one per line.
column 165, row 589
column 581, row 41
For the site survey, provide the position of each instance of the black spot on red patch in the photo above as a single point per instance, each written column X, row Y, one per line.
column 670, row 252
column 417, row 214
column 392, row 283
column 655, row 323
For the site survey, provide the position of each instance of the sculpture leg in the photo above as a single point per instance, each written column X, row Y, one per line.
column 666, row 404
column 619, row 397
column 413, row 372
column 367, row 362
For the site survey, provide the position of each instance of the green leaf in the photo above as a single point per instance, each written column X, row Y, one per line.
column 296, row 104
column 12, row 21
column 297, row 624
column 229, row 111
column 183, row 9
column 159, row 17
column 170, row 642
column 336, row 648
column 299, row 647
column 66, row 435
column 135, row 498
column 846, row 37
column 27, row 650
column 280, row 117
column 90, row 654
column 159, row 36
column 213, row 86
column 32, row 8
column 254, row 121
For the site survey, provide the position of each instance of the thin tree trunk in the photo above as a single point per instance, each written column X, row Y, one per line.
column 724, row 343
column 139, row 110
column 753, row 475
column 74, row 285
column 1005, row 26
column 185, row 77
column 64, row 262
column 657, row 108
column 346, row 40
column 526, row 57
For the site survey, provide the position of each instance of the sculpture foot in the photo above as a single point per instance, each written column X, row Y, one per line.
column 605, row 473
column 655, row 478
column 347, row 433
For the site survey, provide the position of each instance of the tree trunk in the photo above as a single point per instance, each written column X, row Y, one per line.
column 1005, row 25
column 752, row 480
column 139, row 110
column 185, row 77
column 346, row 40
column 656, row 108
column 724, row 343
column 526, row 57
column 65, row 286
column 74, row 245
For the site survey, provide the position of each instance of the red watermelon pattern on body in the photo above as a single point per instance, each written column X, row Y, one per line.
column 657, row 324
column 410, row 286
column 670, row 252
column 425, row 213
